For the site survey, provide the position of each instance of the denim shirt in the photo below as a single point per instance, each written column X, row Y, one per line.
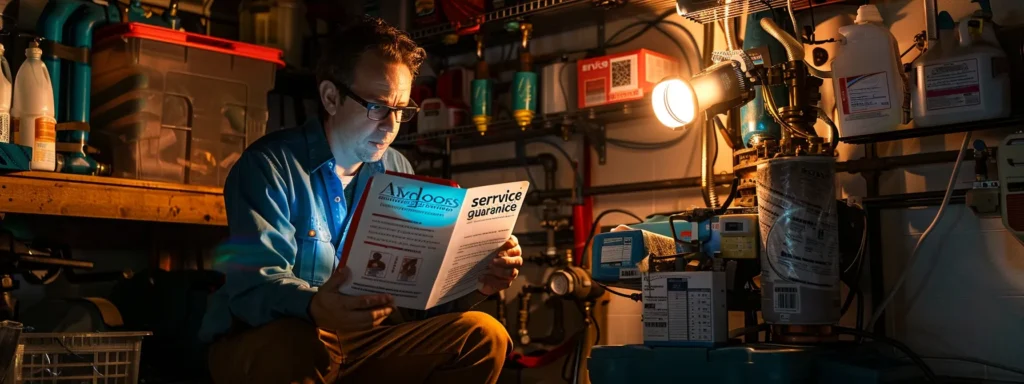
column 288, row 217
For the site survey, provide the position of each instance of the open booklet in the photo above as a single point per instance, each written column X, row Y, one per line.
column 426, row 241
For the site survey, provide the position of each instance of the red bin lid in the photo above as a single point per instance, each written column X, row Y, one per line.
column 192, row 40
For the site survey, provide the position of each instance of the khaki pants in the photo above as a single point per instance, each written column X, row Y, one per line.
column 468, row 347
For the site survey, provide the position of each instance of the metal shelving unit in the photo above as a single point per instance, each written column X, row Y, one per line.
column 526, row 9
column 1013, row 121
column 589, row 122
column 743, row 7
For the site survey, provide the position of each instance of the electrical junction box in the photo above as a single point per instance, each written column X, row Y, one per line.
column 738, row 236
column 684, row 308
column 621, row 77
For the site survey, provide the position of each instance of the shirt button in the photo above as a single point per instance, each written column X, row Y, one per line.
column 337, row 199
column 312, row 233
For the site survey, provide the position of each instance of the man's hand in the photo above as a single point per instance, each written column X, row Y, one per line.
column 334, row 311
column 504, row 267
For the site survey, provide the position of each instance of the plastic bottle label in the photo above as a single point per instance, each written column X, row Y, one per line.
column 5, row 127
column 798, row 222
column 951, row 85
column 46, row 140
column 865, row 93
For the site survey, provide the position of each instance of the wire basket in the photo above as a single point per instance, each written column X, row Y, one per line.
column 108, row 357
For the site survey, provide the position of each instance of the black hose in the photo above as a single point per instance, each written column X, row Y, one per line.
column 732, row 195
column 647, row 27
column 690, row 40
column 928, row 373
column 709, row 142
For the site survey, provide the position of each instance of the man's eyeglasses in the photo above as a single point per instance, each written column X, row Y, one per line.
column 378, row 112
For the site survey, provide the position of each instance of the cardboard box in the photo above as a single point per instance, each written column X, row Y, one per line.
column 620, row 77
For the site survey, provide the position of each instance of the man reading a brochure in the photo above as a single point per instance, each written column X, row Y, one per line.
column 280, row 318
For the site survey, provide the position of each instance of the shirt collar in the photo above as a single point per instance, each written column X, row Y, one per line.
column 316, row 141
column 320, row 150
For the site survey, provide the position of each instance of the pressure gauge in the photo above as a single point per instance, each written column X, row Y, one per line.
column 561, row 283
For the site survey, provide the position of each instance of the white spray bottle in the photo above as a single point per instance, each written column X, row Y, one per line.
column 33, row 110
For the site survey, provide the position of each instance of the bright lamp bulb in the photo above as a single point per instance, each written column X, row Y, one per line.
column 674, row 103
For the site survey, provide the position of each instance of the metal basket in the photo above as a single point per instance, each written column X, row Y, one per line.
column 107, row 357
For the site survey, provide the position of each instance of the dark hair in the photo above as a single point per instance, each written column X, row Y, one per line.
column 344, row 47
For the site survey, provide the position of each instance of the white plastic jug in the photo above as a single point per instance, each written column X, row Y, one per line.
column 5, row 99
column 868, row 77
column 33, row 110
column 965, row 81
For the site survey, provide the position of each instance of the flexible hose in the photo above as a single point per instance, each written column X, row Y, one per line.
column 794, row 49
column 708, row 165
column 792, row 17
column 727, row 29
column 913, row 255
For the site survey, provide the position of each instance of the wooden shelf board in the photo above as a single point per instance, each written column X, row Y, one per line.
column 47, row 193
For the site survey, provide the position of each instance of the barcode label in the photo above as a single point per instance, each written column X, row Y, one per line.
column 629, row 273
column 787, row 298
column 656, row 324
column 622, row 73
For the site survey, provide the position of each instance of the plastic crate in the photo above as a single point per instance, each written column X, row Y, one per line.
column 107, row 357
column 175, row 106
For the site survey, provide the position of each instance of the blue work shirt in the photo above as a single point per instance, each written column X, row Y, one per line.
column 288, row 216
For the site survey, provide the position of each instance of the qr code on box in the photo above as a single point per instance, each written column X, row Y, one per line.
column 624, row 72
column 621, row 76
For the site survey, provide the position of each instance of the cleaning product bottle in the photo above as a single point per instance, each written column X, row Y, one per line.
column 33, row 110
column 481, row 90
column 868, row 76
column 524, row 84
column 5, row 99
column 965, row 81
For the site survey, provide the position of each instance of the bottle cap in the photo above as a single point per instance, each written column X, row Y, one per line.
column 868, row 14
column 33, row 51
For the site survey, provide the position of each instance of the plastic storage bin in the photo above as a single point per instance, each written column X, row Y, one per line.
column 174, row 106
column 105, row 357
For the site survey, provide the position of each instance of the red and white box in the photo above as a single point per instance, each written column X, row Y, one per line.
column 620, row 77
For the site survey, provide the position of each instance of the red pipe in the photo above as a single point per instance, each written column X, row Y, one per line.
column 583, row 215
column 546, row 358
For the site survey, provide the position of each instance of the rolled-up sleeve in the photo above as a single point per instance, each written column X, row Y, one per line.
column 258, row 257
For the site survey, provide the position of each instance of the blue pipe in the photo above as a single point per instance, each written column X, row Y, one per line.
column 51, row 27
column 79, row 35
